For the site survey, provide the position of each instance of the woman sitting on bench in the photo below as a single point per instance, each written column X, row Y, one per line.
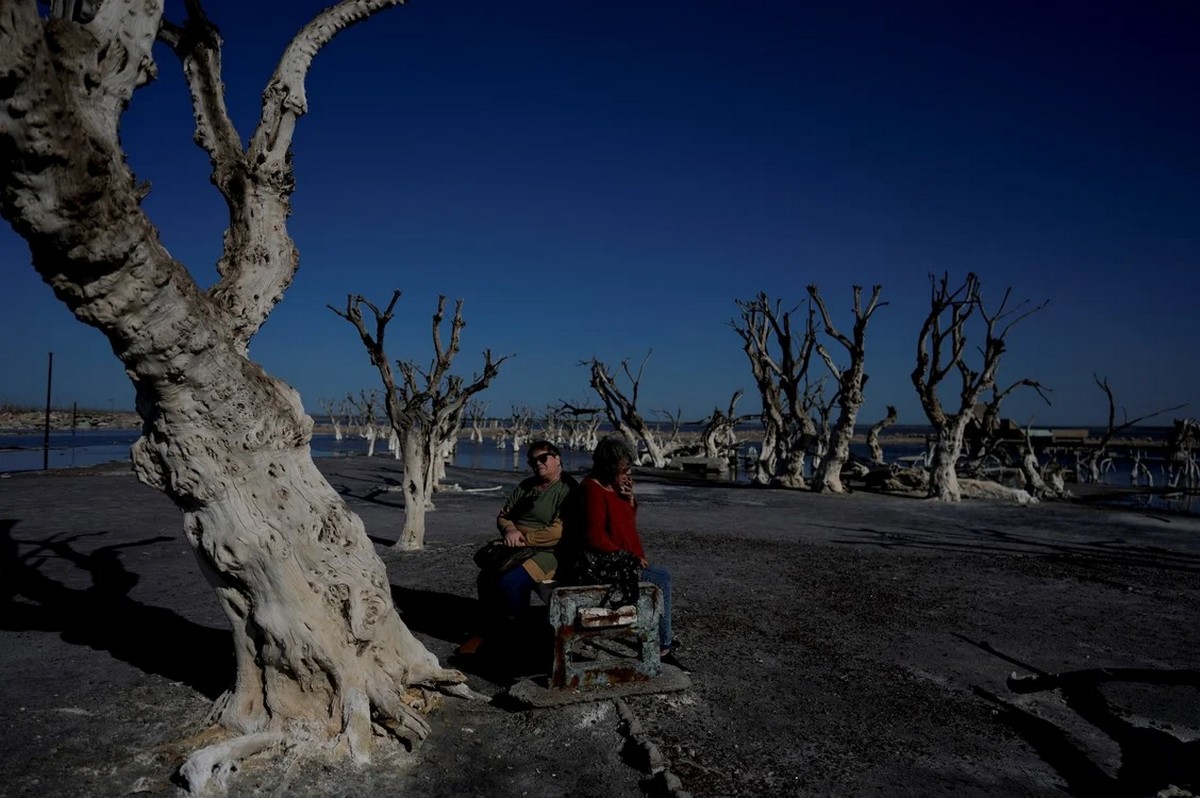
column 610, row 521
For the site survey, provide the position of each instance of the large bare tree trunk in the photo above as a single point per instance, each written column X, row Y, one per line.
column 779, row 372
column 874, row 432
column 720, row 440
column 320, row 650
column 941, row 347
column 418, row 491
column 944, row 453
column 766, row 463
column 424, row 409
column 850, row 385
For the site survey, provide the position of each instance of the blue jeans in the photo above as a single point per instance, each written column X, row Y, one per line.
column 657, row 575
column 505, row 596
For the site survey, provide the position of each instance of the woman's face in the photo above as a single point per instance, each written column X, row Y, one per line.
column 547, row 465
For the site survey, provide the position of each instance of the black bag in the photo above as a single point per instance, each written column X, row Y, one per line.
column 620, row 570
column 495, row 557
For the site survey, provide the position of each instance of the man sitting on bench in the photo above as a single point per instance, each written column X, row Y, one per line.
column 533, row 517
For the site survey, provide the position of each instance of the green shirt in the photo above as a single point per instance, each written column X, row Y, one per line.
column 533, row 511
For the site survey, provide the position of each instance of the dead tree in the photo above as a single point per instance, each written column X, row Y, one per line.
column 425, row 408
column 718, row 436
column 1182, row 469
column 583, row 425
column 941, row 348
column 365, row 417
column 673, row 442
column 873, row 435
column 323, row 660
column 1040, row 482
column 520, row 427
column 817, row 428
column 1092, row 462
column 983, row 436
column 476, row 413
column 779, row 360
column 335, row 411
column 621, row 409
column 850, row 381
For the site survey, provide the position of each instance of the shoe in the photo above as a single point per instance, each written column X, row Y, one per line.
column 670, row 659
column 471, row 647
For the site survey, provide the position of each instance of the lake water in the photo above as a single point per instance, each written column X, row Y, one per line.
column 95, row 446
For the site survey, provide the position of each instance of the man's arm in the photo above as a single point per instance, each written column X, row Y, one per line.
column 508, row 529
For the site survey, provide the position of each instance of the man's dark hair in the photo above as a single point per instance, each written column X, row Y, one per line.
column 543, row 446
column 609, row 455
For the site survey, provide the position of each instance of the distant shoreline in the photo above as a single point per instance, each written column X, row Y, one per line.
column 27, row 422
column 13, row 422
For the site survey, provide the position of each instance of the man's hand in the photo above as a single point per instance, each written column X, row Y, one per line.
column 514, row 538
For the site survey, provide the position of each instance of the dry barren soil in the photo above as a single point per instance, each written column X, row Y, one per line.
column 845, row 645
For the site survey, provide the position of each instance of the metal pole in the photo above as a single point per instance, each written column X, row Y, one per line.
column 46, row 434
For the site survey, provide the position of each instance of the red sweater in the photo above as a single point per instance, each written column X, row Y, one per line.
column 609, row 522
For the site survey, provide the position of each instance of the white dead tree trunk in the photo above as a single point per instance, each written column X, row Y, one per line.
column 814, row 430
column 583, row 425
column 554, row 427
column 874, row 432
column 321, row 654
column 671, row 444
column 1098, row 460
column 755, row 332
column 941, row 347
column 779, row 360
column 850, row 381
column 366, row 414
column 520, row 427
column 425, row 408
column 1037, row 482
column 781, row 375
column 718, row 436
column 622, row 410
column 475, row 414
column 1139, row 470
column 335, row 411
column 1182, row 470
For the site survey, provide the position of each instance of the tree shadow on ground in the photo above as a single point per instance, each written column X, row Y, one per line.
column 519, row 648
column 980, row 541
column 1151, row 759
column 103, row 616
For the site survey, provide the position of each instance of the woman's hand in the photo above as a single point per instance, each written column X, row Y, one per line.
column 514, row 538
column 624, row 486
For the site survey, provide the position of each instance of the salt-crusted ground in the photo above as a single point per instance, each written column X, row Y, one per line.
column 838, row 645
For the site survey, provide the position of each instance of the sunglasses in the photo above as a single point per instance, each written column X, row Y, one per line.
column 541, row 458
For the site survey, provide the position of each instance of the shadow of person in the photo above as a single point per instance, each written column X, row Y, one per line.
column 103, row 616
column 520, row 647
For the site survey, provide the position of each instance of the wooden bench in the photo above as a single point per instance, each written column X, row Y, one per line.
column 597, row 646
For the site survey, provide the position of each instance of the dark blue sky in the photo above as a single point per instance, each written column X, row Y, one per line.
column 606, row 178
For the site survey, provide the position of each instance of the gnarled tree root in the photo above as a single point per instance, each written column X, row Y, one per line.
column 210, row 767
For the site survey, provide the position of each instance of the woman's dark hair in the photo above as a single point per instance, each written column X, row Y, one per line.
column 607, row 458
column 543, row 446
